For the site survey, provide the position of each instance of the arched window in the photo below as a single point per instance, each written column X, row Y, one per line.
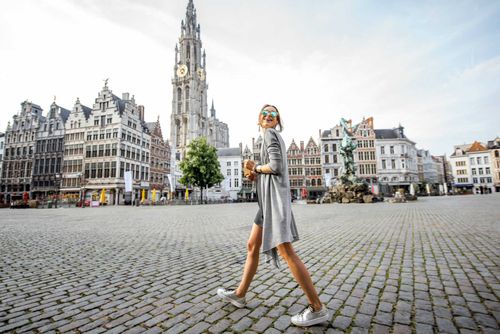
column 313, row 182
column 179, row 100
column 186, row 99
column 497, row 154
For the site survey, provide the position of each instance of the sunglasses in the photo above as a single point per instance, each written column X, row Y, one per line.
column 272, row 113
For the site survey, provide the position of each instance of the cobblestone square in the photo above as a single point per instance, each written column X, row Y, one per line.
column 428, row 266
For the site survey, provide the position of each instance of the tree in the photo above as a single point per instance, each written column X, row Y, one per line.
column 200, row 167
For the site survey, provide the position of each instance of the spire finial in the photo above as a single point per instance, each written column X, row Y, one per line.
column 106, row 82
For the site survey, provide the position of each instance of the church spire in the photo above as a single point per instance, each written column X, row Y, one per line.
column 212, row 110
column 191, row 18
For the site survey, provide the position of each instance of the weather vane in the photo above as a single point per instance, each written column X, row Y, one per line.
column 106, row 82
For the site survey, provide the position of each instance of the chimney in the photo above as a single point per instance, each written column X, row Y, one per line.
column 302, row 145
column 141, row 112
column 125, row 96
column 241, row 148
column 253, row 143
column 319, row 134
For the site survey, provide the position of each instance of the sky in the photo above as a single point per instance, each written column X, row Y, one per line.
column 431, row 66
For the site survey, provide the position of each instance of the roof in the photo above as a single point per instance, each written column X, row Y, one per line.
column 386, row 134
column 326, row 133
column 150, row 125
column 477, row 147
column 86, row 111
column 120, row 103
column 495, row 143
column 229, row 152
column 293, row 146
column 311, row 142
column 64, row 113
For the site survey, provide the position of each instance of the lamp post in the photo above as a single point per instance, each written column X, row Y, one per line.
column 58, row 187
column 82, row 190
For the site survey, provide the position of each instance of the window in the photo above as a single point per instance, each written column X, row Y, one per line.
column 236, row 171
column 382, row 149
column 327, row 159
column 325, row 148
column 383, row 164
column 486, row 160
column 480, row 171
column 93, row 171
column 473, row 171
column 228, row 163
column 99, row 170
column 472, row 161
column 391, row 149
column 479, row 160
column 228, row 172
column 236, row 183
column 393, row 164
column 487, row 170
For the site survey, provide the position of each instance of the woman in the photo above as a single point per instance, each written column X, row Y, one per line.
column 274, row 226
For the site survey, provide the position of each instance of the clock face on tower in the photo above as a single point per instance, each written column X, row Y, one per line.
column 201, row 74
column 182, row 70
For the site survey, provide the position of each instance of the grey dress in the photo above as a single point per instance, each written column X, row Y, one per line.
column 273, row 191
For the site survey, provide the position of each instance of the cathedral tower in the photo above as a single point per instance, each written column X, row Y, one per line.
column 189, row 119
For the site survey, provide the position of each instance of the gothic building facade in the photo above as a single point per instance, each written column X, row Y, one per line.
column 49, row 149
column 160, row 158
column 74, row 155
column 20, row 141
column 189, row 118
column 365, row 154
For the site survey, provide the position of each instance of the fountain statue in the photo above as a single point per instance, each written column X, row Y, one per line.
column 347, row 147
column 350, row 189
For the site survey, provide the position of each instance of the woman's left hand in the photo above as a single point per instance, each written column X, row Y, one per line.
column 249, row 164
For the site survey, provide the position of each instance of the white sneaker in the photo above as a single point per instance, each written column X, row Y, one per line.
column 230, row 296
column 309, row 318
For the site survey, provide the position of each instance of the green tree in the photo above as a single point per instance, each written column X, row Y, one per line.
column 200, row 167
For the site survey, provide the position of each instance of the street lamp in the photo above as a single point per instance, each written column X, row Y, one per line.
column 58, row 186
column 82, row 190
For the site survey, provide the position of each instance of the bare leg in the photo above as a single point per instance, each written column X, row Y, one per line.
column 300, row 273
column 252, row 262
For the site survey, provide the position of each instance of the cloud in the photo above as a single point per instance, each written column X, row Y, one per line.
column 433, row 67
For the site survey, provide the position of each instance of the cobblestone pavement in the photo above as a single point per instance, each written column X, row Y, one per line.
column 429, row 266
